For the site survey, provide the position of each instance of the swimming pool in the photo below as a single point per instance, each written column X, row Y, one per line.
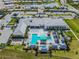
column 43, row 39
column 43, row 47
column 35, row 38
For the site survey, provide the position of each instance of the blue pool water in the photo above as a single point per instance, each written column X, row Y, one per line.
column 43, row 38
column 35, row 38
column 43, row 46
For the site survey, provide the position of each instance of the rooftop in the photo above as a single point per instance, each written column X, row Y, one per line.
column 44, row 22
column 20, row 30
column 5, row 35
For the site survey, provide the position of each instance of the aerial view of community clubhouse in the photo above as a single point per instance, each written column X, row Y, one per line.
column 39, row 29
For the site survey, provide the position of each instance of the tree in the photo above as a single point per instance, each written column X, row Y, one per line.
column 2, row 45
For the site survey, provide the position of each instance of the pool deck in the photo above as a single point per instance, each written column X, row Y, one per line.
column 37, row 35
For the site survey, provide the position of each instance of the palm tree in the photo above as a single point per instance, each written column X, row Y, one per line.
column 36, row 45
column 50, row 46
column 26, row 48
column 50, row 49
column 2, row 27
column 36, row 50
column 2, row 45
column 3, row 1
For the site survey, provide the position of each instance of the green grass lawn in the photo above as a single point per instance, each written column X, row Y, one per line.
column 70, row 1
column 32, row 2
column 17, row 47
column 61, row 15
column 58, row 1
column 74, row 24
column 12, row 22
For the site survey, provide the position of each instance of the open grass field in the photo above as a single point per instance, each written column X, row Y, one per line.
column 74, row 24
